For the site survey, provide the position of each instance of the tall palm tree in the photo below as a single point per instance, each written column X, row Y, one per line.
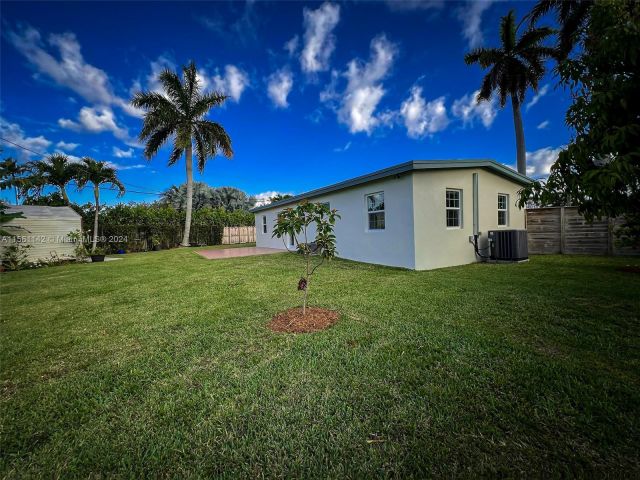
column 56, row 170
column 10, row 171
column 179, row 113
column 514, row 67
column 97, row 173
column 571, row 15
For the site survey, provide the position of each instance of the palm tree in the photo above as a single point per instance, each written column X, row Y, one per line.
column 56, row 171
column 97, row 173
column 515, row 66
column 179, row 113
column 10, row 172
column 571, row 15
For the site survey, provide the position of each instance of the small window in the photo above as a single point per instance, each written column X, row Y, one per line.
column 503, row 210
column 454, row 208
column 375, row 211
column 264, row 224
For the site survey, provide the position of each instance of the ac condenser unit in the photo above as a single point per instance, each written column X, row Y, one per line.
column 508, row 245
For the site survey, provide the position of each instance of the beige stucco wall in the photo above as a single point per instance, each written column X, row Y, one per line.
column 438, row 246
column 354, row 241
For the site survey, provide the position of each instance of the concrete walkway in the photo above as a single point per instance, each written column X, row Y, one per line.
column 237, row 252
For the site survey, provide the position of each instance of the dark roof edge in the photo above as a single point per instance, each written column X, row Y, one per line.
column 410, row 166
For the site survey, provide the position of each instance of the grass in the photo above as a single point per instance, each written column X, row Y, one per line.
column 160, row 365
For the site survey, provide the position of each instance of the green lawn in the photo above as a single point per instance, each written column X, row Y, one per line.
column 160, row 365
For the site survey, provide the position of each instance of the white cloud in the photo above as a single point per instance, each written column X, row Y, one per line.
column 539, row 162
column 423, row 118
column 279, row 86
column 291, row 46
column 67, row 146
column 265, row 197
column 70, row 69
column 468, row 109
column 319, row 42
column 96, row 120
column 364, row 90
column 122, row 153
column 536, row 98
column 12, row 132
column 471, row 16
column 344, row 148
column 543, row 125
column 120, row 166
column 233, row 83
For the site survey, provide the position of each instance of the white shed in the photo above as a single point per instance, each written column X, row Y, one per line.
column 45, row 229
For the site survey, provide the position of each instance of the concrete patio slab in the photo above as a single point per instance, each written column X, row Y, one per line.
column 237, row 252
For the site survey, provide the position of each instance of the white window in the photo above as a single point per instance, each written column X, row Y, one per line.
column 264, row 224
column 375, row 211
column 454, row 208
column 503, row 210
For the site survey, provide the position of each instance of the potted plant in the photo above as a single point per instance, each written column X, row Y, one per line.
column 155, row 242
column 98, row 255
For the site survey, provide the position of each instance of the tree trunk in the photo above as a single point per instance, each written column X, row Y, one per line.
column 187, row 221
column 63, row 192
column 521, row 151
column 96, row 193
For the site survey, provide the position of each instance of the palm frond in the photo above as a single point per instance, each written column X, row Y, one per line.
column 206, row 102
column 174, row 89
column 508, row 31
column 533, row 37
column 157, row 139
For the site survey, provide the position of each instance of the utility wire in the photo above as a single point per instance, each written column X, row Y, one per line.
column 102, row 188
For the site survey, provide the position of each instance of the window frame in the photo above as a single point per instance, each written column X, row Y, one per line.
column 505, row 210
column 455, row 209
column 264, row 224
column 368, row 213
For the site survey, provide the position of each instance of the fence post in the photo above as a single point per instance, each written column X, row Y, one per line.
column 610, row 239
column 562, row 230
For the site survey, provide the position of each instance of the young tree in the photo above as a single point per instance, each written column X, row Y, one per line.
column 599, row 171
column 97, row 173
column 514, row 67
column 297, row 223
column 179, row 113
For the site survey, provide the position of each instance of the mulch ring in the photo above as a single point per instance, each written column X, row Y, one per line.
column 630, row 269
column 292, row 320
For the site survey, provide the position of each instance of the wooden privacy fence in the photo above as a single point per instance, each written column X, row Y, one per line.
column 238, row 235
column 564, row 230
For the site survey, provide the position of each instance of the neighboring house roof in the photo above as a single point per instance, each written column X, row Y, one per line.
column 41, row 212
column 411, row 166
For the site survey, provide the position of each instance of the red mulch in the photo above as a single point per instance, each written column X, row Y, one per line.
column 630, row 269
column 292, row 321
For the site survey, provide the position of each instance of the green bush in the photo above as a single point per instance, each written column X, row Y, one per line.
column 131, row 227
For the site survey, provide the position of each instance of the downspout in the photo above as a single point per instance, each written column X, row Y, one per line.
column 476, row 217
column 476, row 227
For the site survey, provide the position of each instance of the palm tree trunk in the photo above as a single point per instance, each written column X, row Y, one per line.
column 521, row 150
column 63, row 192
column 15, row 187
column 96, row 193
column 187, row 220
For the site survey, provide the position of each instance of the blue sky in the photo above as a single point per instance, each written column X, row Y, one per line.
column 319, row 92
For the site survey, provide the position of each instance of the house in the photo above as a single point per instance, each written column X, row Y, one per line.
column 44, row 229
column 418, row 215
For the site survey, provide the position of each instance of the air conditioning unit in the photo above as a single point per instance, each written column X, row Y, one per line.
column 508, row 245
